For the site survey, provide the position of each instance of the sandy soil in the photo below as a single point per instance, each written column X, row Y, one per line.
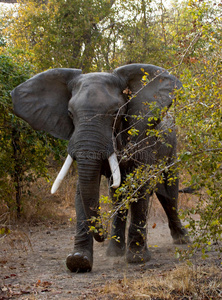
column 32, row 263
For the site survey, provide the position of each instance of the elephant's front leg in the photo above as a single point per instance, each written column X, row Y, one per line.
column 117, row 245
column 137, row 251
column 81, row 260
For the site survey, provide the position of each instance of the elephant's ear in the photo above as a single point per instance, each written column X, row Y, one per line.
column 42, row 101
column 150, row 83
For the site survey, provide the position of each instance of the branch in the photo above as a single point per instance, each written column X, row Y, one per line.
column 173, row 164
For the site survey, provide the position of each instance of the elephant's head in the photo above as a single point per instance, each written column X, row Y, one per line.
column 87, row 110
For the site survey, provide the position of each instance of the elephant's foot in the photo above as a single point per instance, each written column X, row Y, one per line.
column 115, row 248
column 180, row 237
column 137, row 254
column 79, row 261
column 181, row 240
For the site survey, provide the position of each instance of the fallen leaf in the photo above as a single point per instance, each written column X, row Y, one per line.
column 25, row 292
column 3, row 262
column 154, row 225
column 38, row 283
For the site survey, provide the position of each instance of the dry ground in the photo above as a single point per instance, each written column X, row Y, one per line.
column 32, row 262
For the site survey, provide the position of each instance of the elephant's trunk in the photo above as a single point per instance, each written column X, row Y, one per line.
column 89, row 181
column 89, row 172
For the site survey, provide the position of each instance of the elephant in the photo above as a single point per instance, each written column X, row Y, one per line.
column 95, row 113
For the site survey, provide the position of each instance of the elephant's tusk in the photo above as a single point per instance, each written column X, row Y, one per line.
column 62, row 174
column 114, row 166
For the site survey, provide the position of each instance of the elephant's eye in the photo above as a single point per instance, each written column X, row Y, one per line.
column 70, row 114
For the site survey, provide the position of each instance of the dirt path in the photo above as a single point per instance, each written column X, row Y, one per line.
column 32, row 264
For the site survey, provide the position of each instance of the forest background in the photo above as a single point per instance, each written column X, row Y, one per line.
column 183, row 37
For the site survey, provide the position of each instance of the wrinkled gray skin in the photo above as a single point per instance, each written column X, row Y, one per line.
column 94, row 113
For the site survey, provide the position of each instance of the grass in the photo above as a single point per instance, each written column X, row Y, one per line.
column 38, row 205
column 183, row 282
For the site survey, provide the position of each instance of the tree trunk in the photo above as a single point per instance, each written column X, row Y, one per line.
column 17, row 176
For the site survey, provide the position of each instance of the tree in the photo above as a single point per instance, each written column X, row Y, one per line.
column 198, row 113
column 23, row 151
column 58, row 33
